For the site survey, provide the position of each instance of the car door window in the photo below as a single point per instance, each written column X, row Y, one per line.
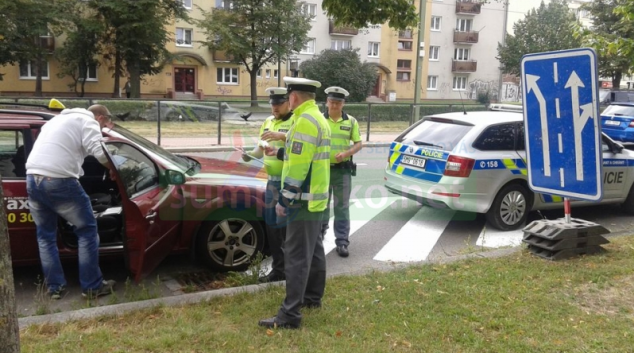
column 12, row 155
column 497, row 138
column 137, row 172
column 520, row 143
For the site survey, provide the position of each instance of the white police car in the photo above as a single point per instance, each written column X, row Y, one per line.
column 475, row 162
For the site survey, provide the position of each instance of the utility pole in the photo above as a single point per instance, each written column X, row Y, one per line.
column 506, row 18
column 419, row 61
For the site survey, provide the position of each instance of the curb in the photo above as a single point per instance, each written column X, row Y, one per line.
column 210, row 149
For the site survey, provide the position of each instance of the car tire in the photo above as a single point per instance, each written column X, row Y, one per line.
column 628, row 204
column 510, row 207
column 230, row 243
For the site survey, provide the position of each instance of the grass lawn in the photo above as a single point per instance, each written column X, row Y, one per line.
column 517, row 303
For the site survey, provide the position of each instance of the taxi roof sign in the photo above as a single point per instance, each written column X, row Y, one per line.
column 55, row 104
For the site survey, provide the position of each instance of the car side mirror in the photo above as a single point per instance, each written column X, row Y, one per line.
column 173, row 177
column 617, row 148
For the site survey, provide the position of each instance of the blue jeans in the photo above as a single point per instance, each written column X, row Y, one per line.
column 53, row 197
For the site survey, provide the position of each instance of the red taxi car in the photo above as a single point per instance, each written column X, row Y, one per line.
column 159, row 203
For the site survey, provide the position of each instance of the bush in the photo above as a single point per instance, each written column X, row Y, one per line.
column 402, row 112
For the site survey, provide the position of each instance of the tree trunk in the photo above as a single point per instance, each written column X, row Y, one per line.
column 616, row 80
column 9, row 329
column 135, row 80
column 117, row 74
column 254, row 87
column 38, row 75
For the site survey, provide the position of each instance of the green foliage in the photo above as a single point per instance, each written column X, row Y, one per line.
column 341, row 68
column 547, row 28
column 400, row 14
column 401, row 112
column 484, row 97
column 624, row 45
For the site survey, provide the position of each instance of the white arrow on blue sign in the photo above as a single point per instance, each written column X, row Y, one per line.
column 562, row 124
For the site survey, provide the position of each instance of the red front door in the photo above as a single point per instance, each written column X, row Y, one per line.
column 184, row 79
column 377, row 87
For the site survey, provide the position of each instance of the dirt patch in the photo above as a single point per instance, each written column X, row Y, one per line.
column 615, row 297
column 201, row 281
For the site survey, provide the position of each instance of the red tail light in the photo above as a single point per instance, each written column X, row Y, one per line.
column 631, row 124
column 458, row 166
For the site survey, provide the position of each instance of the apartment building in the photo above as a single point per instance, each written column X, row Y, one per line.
column 464, row 35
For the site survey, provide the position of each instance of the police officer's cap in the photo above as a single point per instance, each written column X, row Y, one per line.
column 277, row 95
column 336, row 93
column 301, row 84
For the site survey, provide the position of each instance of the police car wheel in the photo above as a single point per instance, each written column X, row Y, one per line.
column 230, row 243
column 510, row 207
column 628, row 205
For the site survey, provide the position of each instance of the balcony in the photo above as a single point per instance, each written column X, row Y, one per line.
column 407, row 34
column 47, row 43
column 339, row 30
column 221, row 56
column 468, row 7
column 466, row 37
column 464, row 66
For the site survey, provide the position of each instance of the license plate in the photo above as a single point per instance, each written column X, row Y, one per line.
column 416, row 162
column 612, row 122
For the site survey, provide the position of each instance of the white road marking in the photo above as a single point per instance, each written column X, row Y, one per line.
column 415, row 240
column 561, row 177
column 561, row 145
column 556, row 74
column 493, row 238
column 557, row 108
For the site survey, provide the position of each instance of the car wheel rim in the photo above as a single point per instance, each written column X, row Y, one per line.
column 232, row 242
column 513, row 207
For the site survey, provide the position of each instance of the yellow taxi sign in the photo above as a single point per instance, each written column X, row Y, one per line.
column 54, row 104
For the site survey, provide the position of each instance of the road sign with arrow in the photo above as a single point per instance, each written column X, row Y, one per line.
column 562, row 125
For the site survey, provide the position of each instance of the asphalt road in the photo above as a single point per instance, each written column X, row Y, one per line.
column 386, row 231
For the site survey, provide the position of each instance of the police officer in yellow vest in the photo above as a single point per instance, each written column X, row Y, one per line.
column 305, row 179
column 344, row 129
column 273, row 131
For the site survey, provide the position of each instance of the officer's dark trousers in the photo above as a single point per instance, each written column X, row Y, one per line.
column 275, row 227
column 340, row 188
column 304, row 261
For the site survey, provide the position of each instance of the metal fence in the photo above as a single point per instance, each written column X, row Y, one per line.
column 204, row 123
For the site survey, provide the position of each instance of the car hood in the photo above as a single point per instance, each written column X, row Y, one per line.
column 216, row 171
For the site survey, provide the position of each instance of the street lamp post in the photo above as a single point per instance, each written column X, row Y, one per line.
column 419, row 61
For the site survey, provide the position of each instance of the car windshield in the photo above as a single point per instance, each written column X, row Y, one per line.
column 185, row 163
column 441, row 134
column 619, row 110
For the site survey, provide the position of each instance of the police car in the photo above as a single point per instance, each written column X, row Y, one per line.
column 476, row 162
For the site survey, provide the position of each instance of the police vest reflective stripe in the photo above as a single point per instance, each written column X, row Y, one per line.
column 272, row 164
column 306, row 172
column 343, row 131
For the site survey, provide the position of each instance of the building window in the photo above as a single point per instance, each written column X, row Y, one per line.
column 226, row 4
column 28, row 70
column 432, row 83
column 406, row 34
column 91, row 73
column 259, row 74
column 404, row 64
column 461, row 54
column 227, row 75
column 268, row 73
column 309, row 47
column 463, row 25
column 340, row 44
column 460, row 83
column 404, row 45
column 275, row 73
column 373, row 49
column 434, row 52
column 402, row 76
column 183, row 37
column 187, row 4
column 309, row 10
column 436, row 22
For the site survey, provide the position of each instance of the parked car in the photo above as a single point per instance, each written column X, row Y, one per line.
column 476, row 162
column 617, row 121
column 159, row 203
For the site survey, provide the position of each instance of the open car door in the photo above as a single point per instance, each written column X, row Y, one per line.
column 150, row 208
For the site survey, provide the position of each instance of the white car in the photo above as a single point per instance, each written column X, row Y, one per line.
column 476, row 162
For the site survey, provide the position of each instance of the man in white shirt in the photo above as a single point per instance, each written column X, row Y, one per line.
column 53, row 169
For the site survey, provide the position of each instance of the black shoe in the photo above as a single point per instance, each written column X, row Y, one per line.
column 311, row 305
column 107, row 287
column 342, row 250
column 57, row 294
column 273, row 322
column 271, row 277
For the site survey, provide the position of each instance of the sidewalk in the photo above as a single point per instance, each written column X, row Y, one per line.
column 228, row 142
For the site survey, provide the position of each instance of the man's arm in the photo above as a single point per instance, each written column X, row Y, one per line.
column 301, row 149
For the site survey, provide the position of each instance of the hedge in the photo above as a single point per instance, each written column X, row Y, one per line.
column 402, row 112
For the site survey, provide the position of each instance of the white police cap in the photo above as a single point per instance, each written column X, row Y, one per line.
column 277, row 95
column 301, row 84
column 337, row 93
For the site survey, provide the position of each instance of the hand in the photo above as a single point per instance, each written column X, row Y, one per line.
column 273, row 136
column 341, row 156
column 280, row 210
column 245, row 157
column 270, row 151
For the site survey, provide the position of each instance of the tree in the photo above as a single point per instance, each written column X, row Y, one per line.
column 607, row 28
column 254, row 33
column 624, row 45
column 341, row 68
column 547, row 28
column 9, row 328
column 400, row 14
column 137, row 31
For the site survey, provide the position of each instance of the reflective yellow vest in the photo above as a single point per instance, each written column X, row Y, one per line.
column 272, row 164
column 343, row 131
column 306, row 171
